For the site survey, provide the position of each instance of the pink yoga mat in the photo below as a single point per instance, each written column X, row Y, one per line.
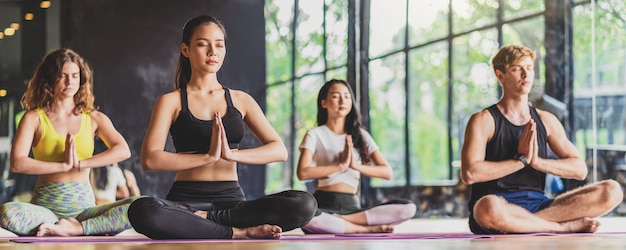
column 411, row 236
column 556, row 234
column 310, row 237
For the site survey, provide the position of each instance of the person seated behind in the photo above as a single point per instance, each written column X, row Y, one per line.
column 109, row 184
column 343, row 150
column 131, row 184
column 504, row 159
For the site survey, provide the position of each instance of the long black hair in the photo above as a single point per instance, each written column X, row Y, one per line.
column 353, row 124
column 183, row 67
column 101, row 177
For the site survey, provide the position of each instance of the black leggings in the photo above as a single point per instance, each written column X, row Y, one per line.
column 337, row 203
column 343, row 203
column 163, row 219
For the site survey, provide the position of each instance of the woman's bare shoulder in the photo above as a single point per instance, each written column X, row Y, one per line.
column 30, row 114
column 239, row 94
column 243, row 101
column 98, row 116
column 170, row 96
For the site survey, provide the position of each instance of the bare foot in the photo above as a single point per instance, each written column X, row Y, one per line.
column 63, row 227
column 360, row 229
column 201, row 213
column 582, row 225
column 259, row 232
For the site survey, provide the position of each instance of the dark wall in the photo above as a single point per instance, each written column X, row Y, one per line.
column 11, row 50
column 133, row 47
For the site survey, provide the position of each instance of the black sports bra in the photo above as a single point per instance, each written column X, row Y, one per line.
column 190, row 134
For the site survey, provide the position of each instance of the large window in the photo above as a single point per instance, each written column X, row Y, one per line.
column 599, row 70
column 388, row 119
column 448, row 76
column 428, row 69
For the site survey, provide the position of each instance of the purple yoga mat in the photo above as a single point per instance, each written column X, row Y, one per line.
column 312, row 237
column 79, row 239
column 308, row 237
column 555, row 234
column 411, row 236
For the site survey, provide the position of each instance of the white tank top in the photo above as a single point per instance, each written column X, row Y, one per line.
column 327, row 146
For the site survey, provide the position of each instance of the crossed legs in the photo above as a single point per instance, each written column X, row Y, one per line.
column 336, row 224
column 571, row 212
column 378, row 219
column 64, row 227
column 264, row 231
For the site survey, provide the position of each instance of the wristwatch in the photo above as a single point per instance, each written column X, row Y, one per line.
column 522, row 158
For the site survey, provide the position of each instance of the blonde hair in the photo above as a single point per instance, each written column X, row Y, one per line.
column 40, row 90
column 508, row 55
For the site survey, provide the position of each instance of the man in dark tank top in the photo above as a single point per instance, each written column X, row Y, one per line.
column 504, row 159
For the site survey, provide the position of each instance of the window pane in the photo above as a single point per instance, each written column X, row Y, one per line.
column 306, row 114
column 337, row 33
column 610, row 33
column 278, row 113
column 310, row 37
column 340, row 73
column 387, row 22
column 607, row 84
column 387, row 116
column 519, row 8
column 475, row 86
column 306, row 103
column 471, row 14
column 428, row 109
column 428, row 20
column 583, row 123
column 278, row 40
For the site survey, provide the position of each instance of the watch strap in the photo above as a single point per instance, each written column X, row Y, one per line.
column 522, row 158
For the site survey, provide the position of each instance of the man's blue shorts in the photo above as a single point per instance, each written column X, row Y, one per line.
column 532, row 201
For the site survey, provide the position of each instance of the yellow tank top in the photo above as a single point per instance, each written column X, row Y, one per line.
column 51, row 146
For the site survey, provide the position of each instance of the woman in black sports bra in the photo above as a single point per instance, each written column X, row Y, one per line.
column 206, row 122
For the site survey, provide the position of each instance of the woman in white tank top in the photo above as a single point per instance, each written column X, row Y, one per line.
column 335, row 154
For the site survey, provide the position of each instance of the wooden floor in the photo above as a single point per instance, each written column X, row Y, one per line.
column 612, row 235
